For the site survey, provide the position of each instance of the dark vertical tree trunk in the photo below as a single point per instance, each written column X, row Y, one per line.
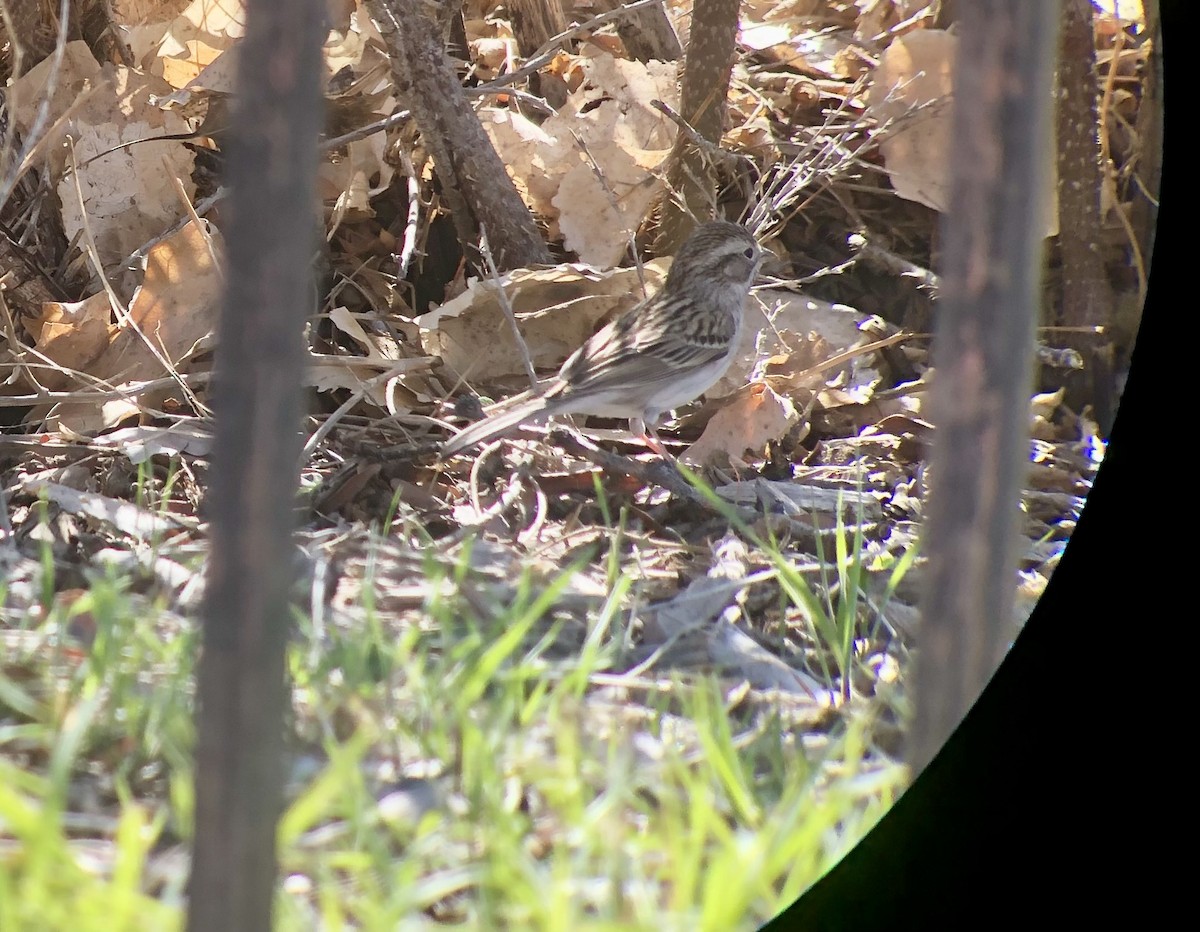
column 1087, row 295
column 536, row 22
column 1150, row 133
column 241, row 690
column 691, row 174
column 647, row 34
column 983, row 352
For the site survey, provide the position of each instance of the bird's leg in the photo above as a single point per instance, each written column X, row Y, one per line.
column 647, row 434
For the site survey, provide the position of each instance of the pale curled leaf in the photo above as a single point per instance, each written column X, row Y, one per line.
column 141, row 443
column 129, row 519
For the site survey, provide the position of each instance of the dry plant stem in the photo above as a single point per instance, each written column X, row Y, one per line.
column 825, row 156
column 1149, row 132
column 21, row 349
column 9, row 177
column 30, row 22
column 837, row 360
column 528, row 537
column 711, row 149
column 474, row 180
column 379, row 126
column 190, row 209
column 613, row 201
column 90, row 395
column 880, row 257
column 691, row 175
column 199, row 210
column 409, row 244
column 508, row 497
column 983, row 350
column 16, row 349
column 348, row 405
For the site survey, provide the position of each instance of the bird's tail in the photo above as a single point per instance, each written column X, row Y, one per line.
column 496, row 424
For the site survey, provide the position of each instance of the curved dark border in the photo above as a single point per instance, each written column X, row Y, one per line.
column 1037, row 805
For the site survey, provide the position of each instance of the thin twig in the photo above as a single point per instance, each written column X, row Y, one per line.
column 837, row 360
column 9, row 180
column 403, row 366
column 657, row 472
column 363, row 132
column 409, row 243
column 711, row 149
column 502, row 297
column 123, row 316
column 200, row 210
column 546, row 53
column 123, row 392
column 877, row 256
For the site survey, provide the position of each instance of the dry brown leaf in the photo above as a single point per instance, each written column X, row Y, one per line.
column 345, row 48
column 175, row 308
column 176, row 305
column 755, row 417
column 139, row 523
column 383, row 374
column 217, row 18
column 143, row 12
column 178, row 47
column 350, row 181
column 916, row 71
column 625, row 138
column 27, row 93
column 200, row 62
column 799, row 363
column 73, row 335
column 129, row 195
column 557, row 309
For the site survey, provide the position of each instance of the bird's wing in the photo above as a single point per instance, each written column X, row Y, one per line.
column 647, row 345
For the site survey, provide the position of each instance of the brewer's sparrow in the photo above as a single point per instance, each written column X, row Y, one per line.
column 663, row 353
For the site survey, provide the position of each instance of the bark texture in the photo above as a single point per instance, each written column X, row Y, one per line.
column 475, row 184
column 983, row 351
column 1087, row 294
column 691, row 174
column 647, row 34
column 536, row 22
column 241, row 687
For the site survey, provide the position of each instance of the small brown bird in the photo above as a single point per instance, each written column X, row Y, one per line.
column 663, row 353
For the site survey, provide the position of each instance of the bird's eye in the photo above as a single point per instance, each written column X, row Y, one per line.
column 749, row 253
